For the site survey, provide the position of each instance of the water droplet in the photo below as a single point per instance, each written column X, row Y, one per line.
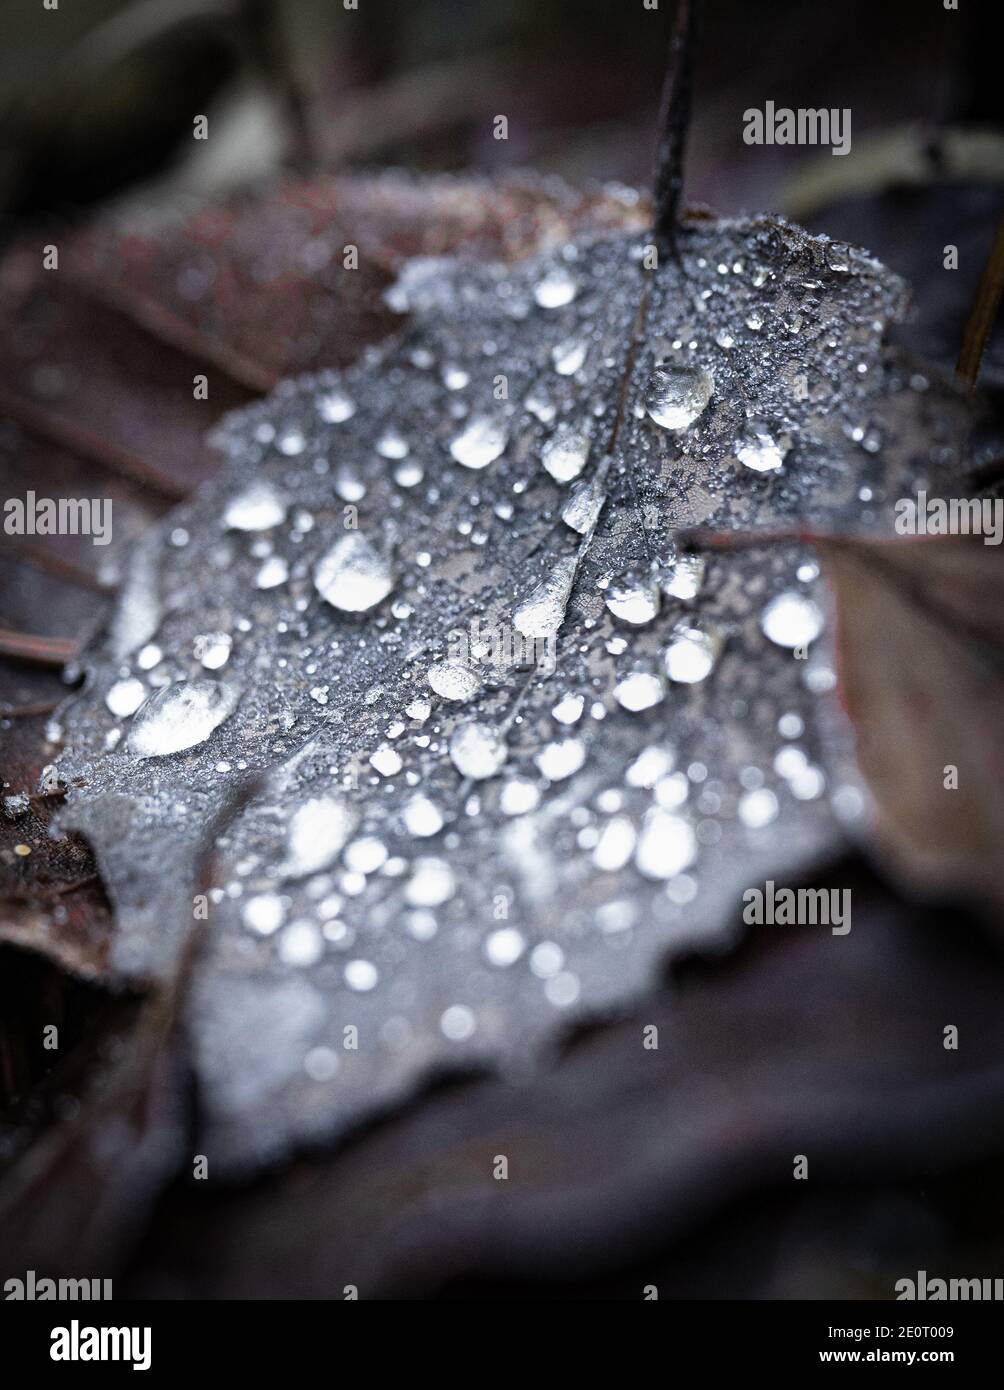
column 684, row 577
column 569, row 356
column 353, row 576
column 453, row 680
column 455, row 378
column 258, row 508
column 561, row 759
column 542, row 611
column 263, row 913
column 633, row 598
column 564, row 454
column 365, row 855
column 505, row 946
column 546, row 959
column 556, row 289
column 518, row 796
column 348, row 484
column 651, row 764
column 431, row 883
column 181, row 716
column 480, row 442
column 678, row 395
column 757, row 808
column 690, row 656
column 422, row 817
column 149, row 657
column 791, row 620
column 125, row 697
column 457, row 1023
column 568, row 710
column 291, row 443
column 408, row 474
column 392, row 445
column 667, row 845
column 540, row 405
column 361, row 975
column 317, row 833
column 386, row 761
column 301, row 944
column 638, row 691
column 582, row 506
column 477, row 750
column 212, row 650
column 616, row 844
column 273, row 572
column 757, row 448
column 336, row 407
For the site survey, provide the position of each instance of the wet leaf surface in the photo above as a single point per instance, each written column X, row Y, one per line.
column 392, row 875
column 618, row 1155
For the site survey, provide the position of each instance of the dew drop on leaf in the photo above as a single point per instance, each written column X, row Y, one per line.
column 791, row 620
column 480, row 442
column 542, row 611
column 353, row 576
column 677, row 395
column 758, row 449
column 477, row 750
column 181, row 716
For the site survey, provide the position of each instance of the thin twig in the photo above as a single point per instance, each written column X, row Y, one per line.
column 674, row 121
column 44, row 558
column 982, row 314
column 29, row 711
column 44, row 651
column 157, row 321
column 85, row 444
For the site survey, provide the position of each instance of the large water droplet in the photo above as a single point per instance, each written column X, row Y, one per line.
column 480, row 442
column 583, row 505
column 616, row 844
column 431, row 883
column 518, row 796
column 791, row 620
column 453, row 680
column 212, row 650
column 667, row 845
column 683, row 578
column 422, row 817
column 556, row 289
column 392, row 445
column 271, row 573
column 542, row 611
column 317, row 833
column 690, row 656
column 125, row 697
column 353, row 576
column 336, row 407
column 181, row 716
column 757, row 448
column 633, row 598
column 637, row 691
column 569, row 356
column 568, row 710
column 477, row 750
column 561, row 759
column 564, row 454
column 677, row 395
column 758, row 808
column 258, row 508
